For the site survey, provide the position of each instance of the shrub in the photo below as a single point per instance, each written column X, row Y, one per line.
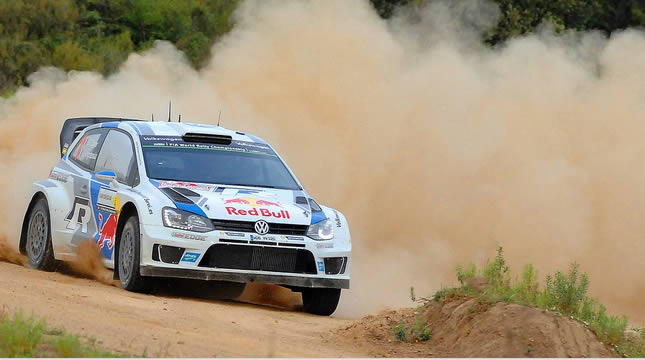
column 400, row 332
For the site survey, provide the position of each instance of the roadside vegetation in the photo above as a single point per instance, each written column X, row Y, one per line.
column 563, row 293
column 22, row 336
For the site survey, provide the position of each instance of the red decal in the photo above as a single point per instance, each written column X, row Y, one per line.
column 107, row 231
column 236, row 201
column 282, row 214
column 267, row 203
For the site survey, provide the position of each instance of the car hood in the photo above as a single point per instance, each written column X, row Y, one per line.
column 226, row 202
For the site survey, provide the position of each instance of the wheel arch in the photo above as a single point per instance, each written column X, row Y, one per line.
column 25, row 221
column 127, row 210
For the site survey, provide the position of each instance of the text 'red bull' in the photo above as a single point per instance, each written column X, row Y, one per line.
column 282, row 214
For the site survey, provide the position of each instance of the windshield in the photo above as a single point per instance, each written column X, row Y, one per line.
column 240, row 163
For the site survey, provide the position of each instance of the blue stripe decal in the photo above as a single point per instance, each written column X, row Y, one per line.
column 317, row 217
column 193, row 208
column 135, row 128
column 144, row 128
column 110, row 125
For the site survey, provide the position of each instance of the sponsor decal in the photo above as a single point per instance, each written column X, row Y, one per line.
column 252, row 202
column 178, row 142
column 190, row 257
column 325, row 246
column 108, row 206
column 282, row 214
column 186, row 236
column 185, row 185
column 321, row 266
column 299, row 238
column 262, row 238
column 58, row 176
column 108, row 231
column 338, row 224
column 228, row 233
column 147, row 201
column 79, row 215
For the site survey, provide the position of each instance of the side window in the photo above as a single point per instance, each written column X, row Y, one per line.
column 117, row 154
column 87, row 149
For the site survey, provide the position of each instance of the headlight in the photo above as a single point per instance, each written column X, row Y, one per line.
column 184, row 220
column 322, row 230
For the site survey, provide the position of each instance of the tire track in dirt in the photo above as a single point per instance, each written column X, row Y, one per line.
column 174, row 326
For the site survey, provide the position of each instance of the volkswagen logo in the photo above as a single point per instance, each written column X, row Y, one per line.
column 261, row 227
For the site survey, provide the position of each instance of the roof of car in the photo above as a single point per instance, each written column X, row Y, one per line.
column 161, row 128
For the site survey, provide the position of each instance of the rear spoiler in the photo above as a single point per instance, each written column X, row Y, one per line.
column 75, row 126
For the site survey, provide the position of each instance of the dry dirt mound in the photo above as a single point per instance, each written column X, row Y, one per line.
column 464, row 327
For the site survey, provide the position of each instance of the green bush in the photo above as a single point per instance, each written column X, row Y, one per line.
column 400, row 332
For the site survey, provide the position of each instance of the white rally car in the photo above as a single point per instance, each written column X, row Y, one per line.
column 180, row 200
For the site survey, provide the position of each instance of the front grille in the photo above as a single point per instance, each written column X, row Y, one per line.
column 249, row 226
column 259, row 258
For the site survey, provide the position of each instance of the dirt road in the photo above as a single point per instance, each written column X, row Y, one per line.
column 168, row 325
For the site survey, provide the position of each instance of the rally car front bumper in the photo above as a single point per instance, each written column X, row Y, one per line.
column 196, row 257
column 298, row 281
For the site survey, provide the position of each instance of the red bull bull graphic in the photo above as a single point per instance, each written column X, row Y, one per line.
column 108, row 230
column 266, row 203
column 237, row 201
column 251, row 202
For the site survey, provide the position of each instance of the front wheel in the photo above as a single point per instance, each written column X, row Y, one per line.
column 39, row 238
column 320, row 301
column 130, row 257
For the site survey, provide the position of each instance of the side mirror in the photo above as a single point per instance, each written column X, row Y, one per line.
column 106, row 175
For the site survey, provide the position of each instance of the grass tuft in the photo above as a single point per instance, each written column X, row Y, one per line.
column 22, row 336
column 19, row 335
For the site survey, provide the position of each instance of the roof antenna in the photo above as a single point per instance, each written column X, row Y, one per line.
column 153, row 117
column 219, row 117
column 179, row 117
column 169, row 109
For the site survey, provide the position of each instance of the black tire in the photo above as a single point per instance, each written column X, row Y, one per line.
column 39, row 238
column 226, row 290
column 130, row 257
column 320, row 301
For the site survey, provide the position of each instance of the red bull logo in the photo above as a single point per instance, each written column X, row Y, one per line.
column 282, row 214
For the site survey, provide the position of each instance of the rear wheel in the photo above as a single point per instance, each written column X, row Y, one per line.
column 39, row 240
column 130, row 257
column 320, row 301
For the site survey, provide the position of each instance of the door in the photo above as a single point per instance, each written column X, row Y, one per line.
column 116, row 155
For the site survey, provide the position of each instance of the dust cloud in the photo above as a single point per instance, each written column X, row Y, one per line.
column 9, row 254
column 273, row 295
column 436, row 148
column 89, row 264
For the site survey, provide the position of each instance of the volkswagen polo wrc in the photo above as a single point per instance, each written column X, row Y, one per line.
column 178, row 200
